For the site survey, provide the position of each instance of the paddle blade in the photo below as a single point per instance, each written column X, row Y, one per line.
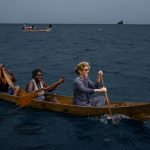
column 26, row 99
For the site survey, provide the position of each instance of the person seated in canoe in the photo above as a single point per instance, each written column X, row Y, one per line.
column 37, row 83
column 7, row 80
column 27, row 27
column 84, row 88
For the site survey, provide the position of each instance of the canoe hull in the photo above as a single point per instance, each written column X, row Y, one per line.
column 135, row 110
column 38, row 30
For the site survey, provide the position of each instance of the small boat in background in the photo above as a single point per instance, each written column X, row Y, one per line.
column 32, row 28
column 120, row 22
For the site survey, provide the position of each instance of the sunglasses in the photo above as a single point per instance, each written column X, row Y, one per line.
column 86, row 69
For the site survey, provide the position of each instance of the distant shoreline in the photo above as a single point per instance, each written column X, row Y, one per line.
column 73, row 24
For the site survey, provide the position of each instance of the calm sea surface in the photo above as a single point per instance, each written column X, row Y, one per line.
column 121, row 51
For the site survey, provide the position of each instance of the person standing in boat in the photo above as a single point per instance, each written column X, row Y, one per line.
column 50, row 26
column 84, row 88
column 37, row 83
column 7, row 80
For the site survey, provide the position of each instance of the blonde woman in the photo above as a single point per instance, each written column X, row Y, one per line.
column 84, row 88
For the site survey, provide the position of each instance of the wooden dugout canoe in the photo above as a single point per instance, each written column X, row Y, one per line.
column 136, row 110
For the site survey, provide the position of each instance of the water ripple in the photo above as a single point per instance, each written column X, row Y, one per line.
column 28, row 129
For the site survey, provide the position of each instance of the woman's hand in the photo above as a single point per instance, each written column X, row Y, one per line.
column 44, row 88
column 100, row 73
column 103, row 89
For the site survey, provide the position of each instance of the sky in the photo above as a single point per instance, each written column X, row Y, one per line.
column 75, row 11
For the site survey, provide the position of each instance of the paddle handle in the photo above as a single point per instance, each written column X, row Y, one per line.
column 51, row 87
column 105, row 93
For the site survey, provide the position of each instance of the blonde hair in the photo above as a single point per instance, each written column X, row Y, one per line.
column 81, row 66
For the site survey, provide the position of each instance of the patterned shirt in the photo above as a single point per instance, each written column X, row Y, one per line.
column 82, row 90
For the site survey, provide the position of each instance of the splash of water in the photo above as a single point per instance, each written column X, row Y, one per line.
column 115, row 118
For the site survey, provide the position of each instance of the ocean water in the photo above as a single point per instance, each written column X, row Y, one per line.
column 121, row 51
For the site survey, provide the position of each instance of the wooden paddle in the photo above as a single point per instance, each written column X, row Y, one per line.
column 105, row 93
column 7, row 78
column 0, row 72
column 27, row 98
